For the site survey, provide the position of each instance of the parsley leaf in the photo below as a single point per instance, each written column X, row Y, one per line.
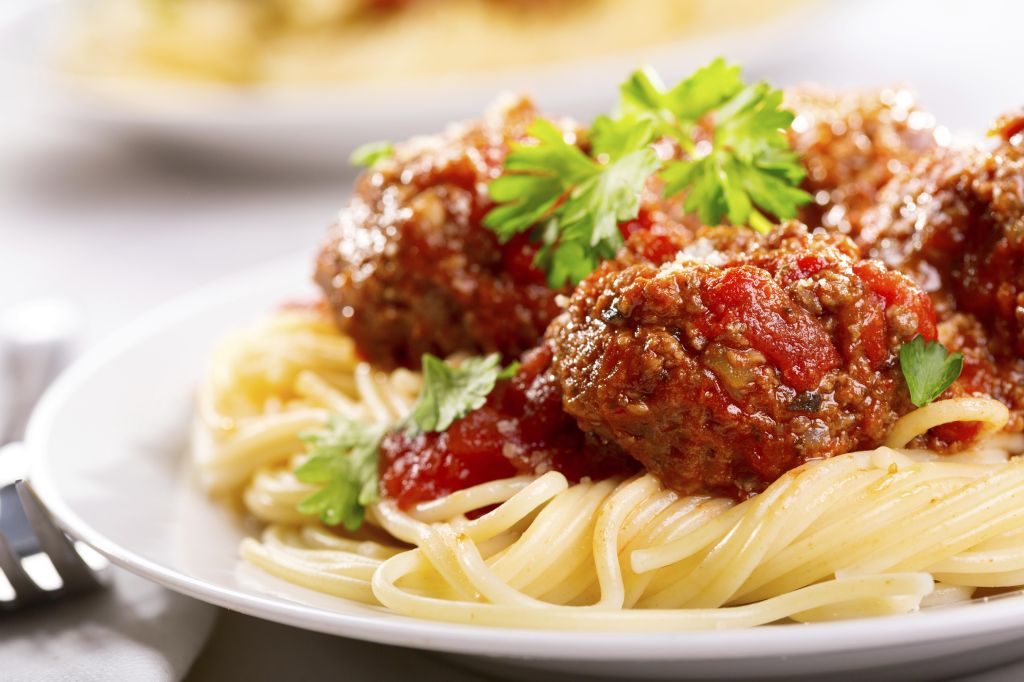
column 371, row 153
column 611, row 138
column 577, row 201
column 565, row 261
column 537, row 176
column 344, row 458
column 450, row 393
column 678, row 109
column 572, row 201
column 587, row 222
column 749, row 168
column 928, row 368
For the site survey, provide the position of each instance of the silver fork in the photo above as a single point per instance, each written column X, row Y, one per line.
column 75, row 574
column 35, row 340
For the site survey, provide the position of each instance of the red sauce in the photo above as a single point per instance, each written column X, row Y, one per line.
column 791, row 267
column 641, row 223
column 788, row 336
column 957, row 432
column 522, row 429
column 892, row 287
column 987, row 282
column 517, row 256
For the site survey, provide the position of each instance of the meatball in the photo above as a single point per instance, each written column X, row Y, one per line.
column 851, row 145
column 955, row 222
column 664, row 242
column 409, row 269
column 720, row 372
column 985, row 372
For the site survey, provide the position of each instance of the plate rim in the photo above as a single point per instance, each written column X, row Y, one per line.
column 957, row 622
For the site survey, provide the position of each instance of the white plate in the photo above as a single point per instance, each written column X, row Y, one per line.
column 109, row 442
column 316, row 127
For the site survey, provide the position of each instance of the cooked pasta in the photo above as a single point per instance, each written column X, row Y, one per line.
column 616, row 554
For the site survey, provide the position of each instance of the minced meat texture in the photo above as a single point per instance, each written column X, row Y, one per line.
column 984, row 372
column 409, row 269
column 721, row 371
column 851, row 145
column 955, row 222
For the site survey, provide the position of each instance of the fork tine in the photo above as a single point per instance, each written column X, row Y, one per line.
column 72, row 569
column 25, row 589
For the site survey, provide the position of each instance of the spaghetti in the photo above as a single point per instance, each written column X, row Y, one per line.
column 617, row 554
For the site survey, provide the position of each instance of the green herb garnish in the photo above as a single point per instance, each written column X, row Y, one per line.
column 928, row 368
column 450, row 393
column 750, row 167
column 371, row 153
column 579, row 200
column 344, row 458
column 572, row 202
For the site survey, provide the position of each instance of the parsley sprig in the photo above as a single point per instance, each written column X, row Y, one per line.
column 344, row 462
column 450, row 393
column 750, row 167
column 370, row 154
column 928, row 368
column 578, row 201
column 344, row 458
column 572, row 201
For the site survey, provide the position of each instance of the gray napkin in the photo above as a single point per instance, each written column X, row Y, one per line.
column 134, row 630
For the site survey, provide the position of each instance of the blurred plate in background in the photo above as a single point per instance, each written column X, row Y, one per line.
column 277, row 117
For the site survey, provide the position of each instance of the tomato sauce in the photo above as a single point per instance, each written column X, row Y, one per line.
column 787, row 335
column 522, row 429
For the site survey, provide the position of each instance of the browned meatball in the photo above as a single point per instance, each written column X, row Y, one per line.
column 720, row 372
column 409, row 268
column 664, row 242
column 955, row 222
column 852, row 144
column 985, row 372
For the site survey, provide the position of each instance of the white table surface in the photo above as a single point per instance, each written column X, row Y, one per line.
column 120, row 229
